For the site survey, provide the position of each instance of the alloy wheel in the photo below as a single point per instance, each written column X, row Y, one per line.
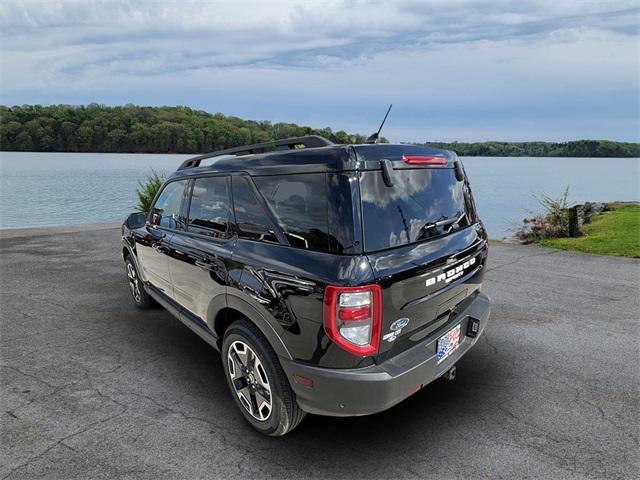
column 249, row 380
column 134, row 285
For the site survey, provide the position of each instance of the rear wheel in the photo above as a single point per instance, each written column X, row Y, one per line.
column 139, row 295
column 257, row 382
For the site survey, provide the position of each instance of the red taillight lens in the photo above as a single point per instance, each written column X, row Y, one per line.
column 352, row 318
column 424, row 159
column 354, row 314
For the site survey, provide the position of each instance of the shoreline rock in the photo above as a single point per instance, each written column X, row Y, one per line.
column 545, row 225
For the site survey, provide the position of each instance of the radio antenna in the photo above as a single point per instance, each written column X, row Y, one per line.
column 376, row 136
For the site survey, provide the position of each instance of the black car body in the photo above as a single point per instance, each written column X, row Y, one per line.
column 360, row 267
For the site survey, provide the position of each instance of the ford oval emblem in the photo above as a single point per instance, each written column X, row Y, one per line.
column 399, row 324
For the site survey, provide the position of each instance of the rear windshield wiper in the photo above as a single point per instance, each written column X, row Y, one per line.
column 444, row 222
column 451, row 221
column 441, row 223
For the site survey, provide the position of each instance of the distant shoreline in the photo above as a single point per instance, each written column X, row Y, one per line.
column 98, row 128
column 200, row 153
column 571, row 149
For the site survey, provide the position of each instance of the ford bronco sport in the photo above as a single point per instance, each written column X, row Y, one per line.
column 334, row 279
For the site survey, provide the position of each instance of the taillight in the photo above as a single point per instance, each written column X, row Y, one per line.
column 352, row 318
column 424, row 159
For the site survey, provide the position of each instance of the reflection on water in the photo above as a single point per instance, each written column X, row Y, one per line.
column 38, row 189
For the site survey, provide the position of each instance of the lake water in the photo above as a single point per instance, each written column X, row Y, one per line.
column 41, row 189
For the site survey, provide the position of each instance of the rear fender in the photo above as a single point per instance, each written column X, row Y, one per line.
column 259, row 320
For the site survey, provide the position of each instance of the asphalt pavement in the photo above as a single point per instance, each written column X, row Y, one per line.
column 94, row 388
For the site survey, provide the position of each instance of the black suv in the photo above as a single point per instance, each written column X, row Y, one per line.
column 334, row 279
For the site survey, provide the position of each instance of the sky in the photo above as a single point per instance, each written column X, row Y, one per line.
column 460, row 70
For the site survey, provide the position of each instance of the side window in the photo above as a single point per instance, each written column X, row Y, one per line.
column 209, row 210
column 253, row 222
column 299, row 203
column 166, row 210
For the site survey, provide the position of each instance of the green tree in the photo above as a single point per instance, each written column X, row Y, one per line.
column 132, row 128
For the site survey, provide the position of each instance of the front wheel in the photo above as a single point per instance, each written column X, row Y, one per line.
column 258, row 384
column 139, row 295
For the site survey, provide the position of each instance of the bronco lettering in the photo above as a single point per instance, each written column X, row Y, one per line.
column 451, row 274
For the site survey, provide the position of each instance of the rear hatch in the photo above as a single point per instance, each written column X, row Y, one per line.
column 422, row 237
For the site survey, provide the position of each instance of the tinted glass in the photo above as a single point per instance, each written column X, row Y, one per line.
column 422, row 204
column 251, row 219
column 166, row 210
column 299, row 203
column 209, row 210
column 344, row 223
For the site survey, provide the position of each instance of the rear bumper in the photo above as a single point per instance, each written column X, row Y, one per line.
column 376, row 388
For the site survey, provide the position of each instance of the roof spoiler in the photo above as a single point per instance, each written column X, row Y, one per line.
column 309, row 141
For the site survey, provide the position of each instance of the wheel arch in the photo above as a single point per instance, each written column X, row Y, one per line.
column 236, row 309
column 129, row 252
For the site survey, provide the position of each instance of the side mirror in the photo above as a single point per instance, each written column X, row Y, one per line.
column 136, row 220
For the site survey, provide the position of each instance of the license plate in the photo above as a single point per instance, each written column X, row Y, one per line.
column 448, row 343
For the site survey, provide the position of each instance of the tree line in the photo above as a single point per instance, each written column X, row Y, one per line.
column 578, row 148
column 137, row 129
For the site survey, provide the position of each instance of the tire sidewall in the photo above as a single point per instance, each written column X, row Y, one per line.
column 279, row 418
column 144, row 301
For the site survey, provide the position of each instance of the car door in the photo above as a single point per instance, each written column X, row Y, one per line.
column 153, row 245
column 201, row 254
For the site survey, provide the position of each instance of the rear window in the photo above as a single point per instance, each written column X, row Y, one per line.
column 299, row 204
column 422, row 204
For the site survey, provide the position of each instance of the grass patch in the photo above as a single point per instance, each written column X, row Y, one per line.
column 616, row 232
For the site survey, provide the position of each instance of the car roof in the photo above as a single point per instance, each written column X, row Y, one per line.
column 331, row 158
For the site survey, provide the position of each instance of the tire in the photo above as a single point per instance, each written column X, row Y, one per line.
column 139, row 295
column 257, row 382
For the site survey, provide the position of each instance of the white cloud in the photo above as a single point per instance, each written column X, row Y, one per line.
column 424, row 56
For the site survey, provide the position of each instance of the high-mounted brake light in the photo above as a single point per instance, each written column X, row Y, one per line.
column 353, row 317
column 424, row 159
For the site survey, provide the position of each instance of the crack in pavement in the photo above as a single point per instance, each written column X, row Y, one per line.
column 61, row 442
column 527, row 436
column 520, row 258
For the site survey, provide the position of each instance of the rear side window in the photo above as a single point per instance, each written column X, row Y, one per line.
column 209, row 212
column 422, row 204
column 252, row 221
column 299, row 203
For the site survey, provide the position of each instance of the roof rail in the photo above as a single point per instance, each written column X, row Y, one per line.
column 309, row 141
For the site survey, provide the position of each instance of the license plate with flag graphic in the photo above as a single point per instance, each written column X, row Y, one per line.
column 448, row 343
